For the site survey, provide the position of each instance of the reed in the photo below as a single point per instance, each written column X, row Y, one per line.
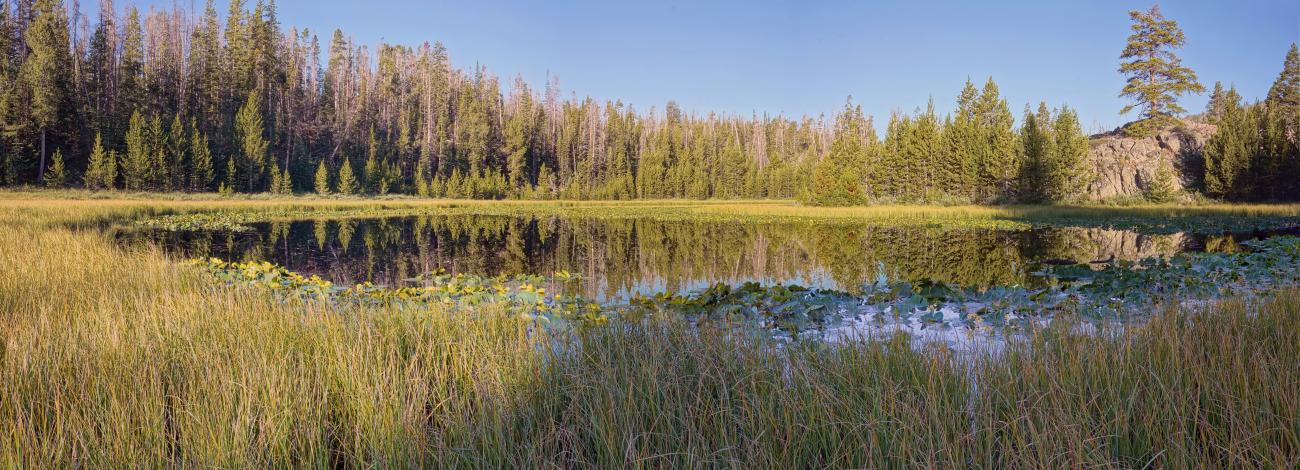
column 120, row 357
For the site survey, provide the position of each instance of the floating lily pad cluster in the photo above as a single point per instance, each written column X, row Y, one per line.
column 212, row 221
column 1116, row 291
column 521, row 294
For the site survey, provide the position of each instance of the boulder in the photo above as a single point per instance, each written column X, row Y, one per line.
column 1125, row 165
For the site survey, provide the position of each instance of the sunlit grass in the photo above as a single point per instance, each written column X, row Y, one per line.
column 113, row 357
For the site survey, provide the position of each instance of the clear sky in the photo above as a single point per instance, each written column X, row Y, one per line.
column 805, row 57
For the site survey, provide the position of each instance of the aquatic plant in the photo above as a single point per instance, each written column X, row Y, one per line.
column 522, row 295
column 1122, row 290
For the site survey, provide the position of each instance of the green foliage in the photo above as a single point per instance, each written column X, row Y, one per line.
column 252, row 141
column 1229, row 154
column 322, row 180
column 1217, row 105
column 101, row 170
column 371, row 173
column 1156, row 76
column 347, row 181
column 281, row 182
column 56, row 176
column 202, row 172
column 225, row 95
column 1160, row 189
column 43, row 75
column 838, row 179
column 137, row 168
column 1056, row 167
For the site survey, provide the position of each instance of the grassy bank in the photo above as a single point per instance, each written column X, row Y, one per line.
column 92, row 207
column 113, row 357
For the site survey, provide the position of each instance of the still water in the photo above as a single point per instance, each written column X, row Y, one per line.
column 621, row 257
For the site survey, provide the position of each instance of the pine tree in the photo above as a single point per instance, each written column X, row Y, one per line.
column 1282, row 130
column 959, row 166
column 1069, row 173
column 135, row 170
column 1230, row 151
column 178, row 154
column 1035, row 141
column 111, row 170
column 1214, row 109
column 519, row 136
column 1156, row 76
column 228, row 186
column 56, row 176
column 101, row 170
column 838, row 178
column 156, row 138
column 371, row 173
column 202, row 172
column 1285, row 92
column 286, row 183
column 252, row 140
column 130, row 65
column 347, row 181
column 998, row 159
column 322, row 182
column 281, row 183
column 1160, row 189
column 43, row 76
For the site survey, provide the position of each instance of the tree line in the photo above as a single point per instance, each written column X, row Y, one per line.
column 1254, row 154
column 165, row 101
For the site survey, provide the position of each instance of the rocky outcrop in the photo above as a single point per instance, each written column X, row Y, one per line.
column 1125, row 166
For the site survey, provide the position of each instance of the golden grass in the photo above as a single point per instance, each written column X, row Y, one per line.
column 113, row 357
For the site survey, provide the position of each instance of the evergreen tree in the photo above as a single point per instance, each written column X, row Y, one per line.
column 1036, row 142
column 135, row 170
column 56, row 177
column 1156, row 76
column 1282, row 130
column 1069, row 173
column 101, row 170
column 156, row 138
column 347, row 181
column 130, row 65
column 43, row 77
column 286, row 183
column 1214, row 109
column 281, row 183
column 1285, row 92
column 998, row 159
column 371, row 173
column 252, row 140
column 202, row 172
column 322, row 182
column 179, row 157
column 1160, row 189
column 1229, row 153
column 519, row 138
column 838, row 178
column 958, row 170
column 228, row 185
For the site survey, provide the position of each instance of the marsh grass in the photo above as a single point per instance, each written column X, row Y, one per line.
column 119, row 357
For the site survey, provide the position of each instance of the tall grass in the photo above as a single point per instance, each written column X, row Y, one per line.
column 114, row 357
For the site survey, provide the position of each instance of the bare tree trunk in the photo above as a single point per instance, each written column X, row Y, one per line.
column 40, row 174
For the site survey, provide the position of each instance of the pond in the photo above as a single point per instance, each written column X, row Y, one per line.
column 619, row 258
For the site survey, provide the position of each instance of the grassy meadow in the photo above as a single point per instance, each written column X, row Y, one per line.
column 121, row 357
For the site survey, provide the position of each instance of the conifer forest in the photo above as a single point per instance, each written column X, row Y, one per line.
column 166, row 100
column 231, row 241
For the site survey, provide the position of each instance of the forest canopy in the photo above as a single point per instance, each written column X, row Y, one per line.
column 166, row 100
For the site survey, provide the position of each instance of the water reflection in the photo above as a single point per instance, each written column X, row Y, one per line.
column 624, row 256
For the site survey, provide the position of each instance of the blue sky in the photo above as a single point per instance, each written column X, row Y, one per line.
column 801, row 58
